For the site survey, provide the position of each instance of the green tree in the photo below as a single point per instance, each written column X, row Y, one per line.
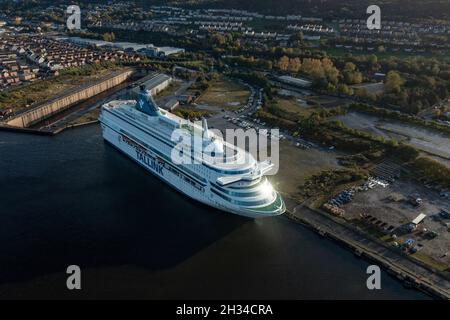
column 393, row 82
column 283, row 63
column 295, row 65
column 330, row 72
column 351, row 74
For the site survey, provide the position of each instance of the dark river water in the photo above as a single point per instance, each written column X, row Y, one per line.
column 72, row 199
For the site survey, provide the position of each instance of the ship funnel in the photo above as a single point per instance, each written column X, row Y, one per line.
column 145, row 102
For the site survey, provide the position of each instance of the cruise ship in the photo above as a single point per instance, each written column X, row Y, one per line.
column 227, row 178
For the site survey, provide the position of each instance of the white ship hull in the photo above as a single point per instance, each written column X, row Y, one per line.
column 116, row 139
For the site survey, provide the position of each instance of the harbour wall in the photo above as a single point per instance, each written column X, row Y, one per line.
column 60, row 103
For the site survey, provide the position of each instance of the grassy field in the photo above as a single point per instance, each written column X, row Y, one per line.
column 224, row 94
column 293, row 106
column 430, row 261
column 26, row 95
column 327, row 102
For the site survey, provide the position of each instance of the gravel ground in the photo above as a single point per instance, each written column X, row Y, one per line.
column 377, row 203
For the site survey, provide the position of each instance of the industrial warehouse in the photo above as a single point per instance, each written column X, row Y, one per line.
column 148, row 50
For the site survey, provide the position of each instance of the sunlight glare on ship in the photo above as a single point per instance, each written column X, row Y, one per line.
column 266, row 189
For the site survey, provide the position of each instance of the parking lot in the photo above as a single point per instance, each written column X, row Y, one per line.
column 391, row 211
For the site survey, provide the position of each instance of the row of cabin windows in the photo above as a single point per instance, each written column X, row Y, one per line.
column 238, row 194
column 239, row 202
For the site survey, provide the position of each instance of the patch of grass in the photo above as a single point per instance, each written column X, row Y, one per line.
column 297, row 165
column 430, row 261
column 386, row 238
column 317, row 202
column 26, row 95
column 276, row 120
column 325, row 101
column 292, row 106
column 225, row 94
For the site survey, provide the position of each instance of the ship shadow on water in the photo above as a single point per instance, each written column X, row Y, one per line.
column 173, row 226
column 114, row 214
